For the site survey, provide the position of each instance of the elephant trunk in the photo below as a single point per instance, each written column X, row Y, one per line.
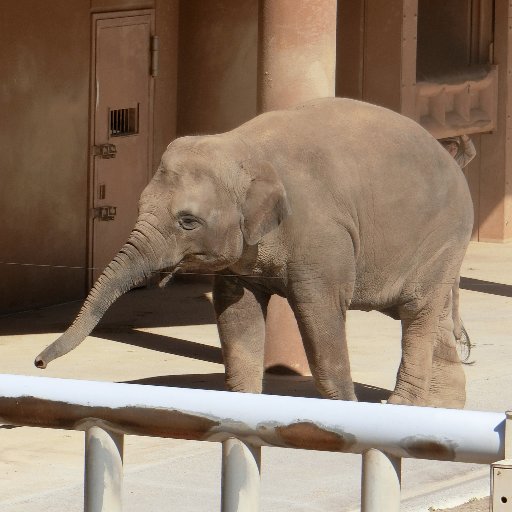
column 135, row 262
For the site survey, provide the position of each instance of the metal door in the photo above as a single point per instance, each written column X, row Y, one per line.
column 121, row 108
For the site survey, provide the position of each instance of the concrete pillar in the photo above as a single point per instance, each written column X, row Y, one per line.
column 297, row 52
column 296, row 63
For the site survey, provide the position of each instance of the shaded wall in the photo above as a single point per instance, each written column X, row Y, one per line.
column 217, row 65
column 166, row 84
column 44, row 93
column 443, row 37
column 44, row 140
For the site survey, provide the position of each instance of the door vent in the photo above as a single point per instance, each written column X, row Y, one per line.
column 124, row 121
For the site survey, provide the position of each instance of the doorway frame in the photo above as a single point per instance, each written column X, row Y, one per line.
column 92, row 121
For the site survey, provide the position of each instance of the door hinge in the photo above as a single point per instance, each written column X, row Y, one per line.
column 155, row 47
column 104, row 212
column 105, row 151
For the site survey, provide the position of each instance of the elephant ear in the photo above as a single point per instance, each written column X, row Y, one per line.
column 265, row 204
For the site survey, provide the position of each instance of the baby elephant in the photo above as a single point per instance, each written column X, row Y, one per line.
column 335, row 205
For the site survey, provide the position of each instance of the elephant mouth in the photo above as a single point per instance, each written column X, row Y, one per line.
column 195, row 263
column 167, row 274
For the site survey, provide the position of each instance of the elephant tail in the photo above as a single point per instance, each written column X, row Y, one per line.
column 461, row 335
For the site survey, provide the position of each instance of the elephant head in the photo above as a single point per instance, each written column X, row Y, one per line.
column 208, row 201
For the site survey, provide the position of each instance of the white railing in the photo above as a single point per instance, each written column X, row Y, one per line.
column 244, row 423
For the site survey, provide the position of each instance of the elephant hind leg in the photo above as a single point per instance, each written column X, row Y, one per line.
column 430, row 372
column 461, row 335
column 448, row 383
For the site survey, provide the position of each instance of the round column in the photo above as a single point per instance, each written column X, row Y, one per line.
column 296, row 63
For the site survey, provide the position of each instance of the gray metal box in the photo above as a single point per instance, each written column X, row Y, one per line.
column 501, row 486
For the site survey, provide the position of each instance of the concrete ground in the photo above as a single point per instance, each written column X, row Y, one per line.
column 168, row 337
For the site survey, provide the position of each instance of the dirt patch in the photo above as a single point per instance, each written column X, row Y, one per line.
column 481, row 505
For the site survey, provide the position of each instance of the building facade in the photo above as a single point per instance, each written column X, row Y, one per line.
column 92, row 91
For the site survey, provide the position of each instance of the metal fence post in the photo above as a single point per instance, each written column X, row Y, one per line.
column 508, row 435
column 241, row 465
column 501, row 473
column 380, row 486
column 103, row 470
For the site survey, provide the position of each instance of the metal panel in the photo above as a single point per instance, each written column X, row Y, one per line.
column 501, row 486
column 121, row 106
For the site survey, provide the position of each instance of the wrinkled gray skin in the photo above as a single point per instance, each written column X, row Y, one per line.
column 335, row 205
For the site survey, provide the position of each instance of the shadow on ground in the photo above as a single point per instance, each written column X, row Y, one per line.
column 289, row 385
column 477, row 285
column 165, row 344
column 184, row 302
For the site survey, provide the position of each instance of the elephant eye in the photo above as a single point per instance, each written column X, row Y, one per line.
column 189, row 222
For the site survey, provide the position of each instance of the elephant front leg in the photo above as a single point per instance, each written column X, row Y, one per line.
column 240, row 316
column 321, row 321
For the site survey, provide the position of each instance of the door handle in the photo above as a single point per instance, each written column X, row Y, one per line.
column 105, row 212
column 105, row 151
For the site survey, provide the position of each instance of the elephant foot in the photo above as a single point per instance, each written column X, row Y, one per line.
column 447, row 388
column 448, row 385
column 410, row 391
column 343, row 390
column 400, row 398
column 244, row 384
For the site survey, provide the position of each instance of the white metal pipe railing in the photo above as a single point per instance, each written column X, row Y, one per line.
column 255, row 421
column 259, row 420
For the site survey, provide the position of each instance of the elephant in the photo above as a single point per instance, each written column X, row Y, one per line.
column 335, row 204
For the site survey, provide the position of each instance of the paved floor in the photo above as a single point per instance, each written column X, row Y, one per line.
column 167, row 337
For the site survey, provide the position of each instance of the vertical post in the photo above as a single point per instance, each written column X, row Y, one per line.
column 495, row 181
column 103, row 470
column 380, row 486
column 241, row 465
column 501, row 473
column 296, row 63
column 508, row 435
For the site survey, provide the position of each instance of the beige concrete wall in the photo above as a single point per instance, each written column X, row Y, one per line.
column 217, row 65
column 44, row 93
column 44, row 141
